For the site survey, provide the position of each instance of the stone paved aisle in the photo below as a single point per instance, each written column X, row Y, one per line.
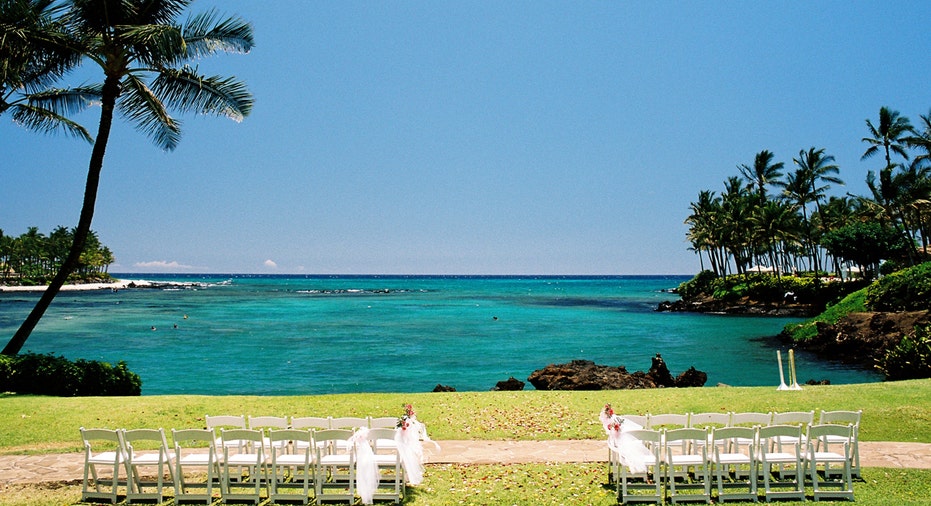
column 68, row 467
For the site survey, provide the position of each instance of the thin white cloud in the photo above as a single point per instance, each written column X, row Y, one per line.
column 161, row 264
column 271, row 264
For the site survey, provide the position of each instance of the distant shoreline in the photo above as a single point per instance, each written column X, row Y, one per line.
column 115, row 285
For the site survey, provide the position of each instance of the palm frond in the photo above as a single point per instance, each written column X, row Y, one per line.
column 160, row 11
column 206, row 34
column 66, row 101
column 187, row 91
column 154, row 45
column 46, row 121
column 34, row 44
column 142, row 107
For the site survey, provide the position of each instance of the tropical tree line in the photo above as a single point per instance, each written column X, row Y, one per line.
column 34, row 258
column 146, row 58
column 782, row 219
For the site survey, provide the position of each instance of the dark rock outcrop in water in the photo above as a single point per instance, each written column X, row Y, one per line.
column 443, row 388
column 587, row 375
column 511, row 384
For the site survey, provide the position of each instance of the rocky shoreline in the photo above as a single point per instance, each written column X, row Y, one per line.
column 742, row 306
column 857, row 338
column 862, row 338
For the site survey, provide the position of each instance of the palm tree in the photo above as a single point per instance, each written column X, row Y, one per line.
column 776, row 223
column 762, row 173
column 35, row 50
column 704, row 230
column 736, row 237
column 921, row 165
column 142, row 52
column 892, row 195
column 798, row 189
column 901, row 194
column 889, row 134
column 922, row 141
column 817, row 167
column 6, row 250
column 837, row 212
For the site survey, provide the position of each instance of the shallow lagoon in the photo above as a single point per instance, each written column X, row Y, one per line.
column 286, row 335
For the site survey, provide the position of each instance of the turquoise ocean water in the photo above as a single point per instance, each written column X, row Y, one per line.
column 287, row 335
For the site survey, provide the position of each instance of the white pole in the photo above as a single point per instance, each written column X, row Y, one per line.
column 782, row 379
column 792, row 374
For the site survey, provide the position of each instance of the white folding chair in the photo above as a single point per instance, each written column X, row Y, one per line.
column 845, row 418
column 667, row 421
column 218, row 422
column 348, row 423
column 161, row 459
column 391, row 484
column 819, row 454
column 687, row 458
column 104, row 448
column 195, row 448
column 770, row 453
column 749, row 419
column 309, row 422
column 641, row 421
column 728, row 455
column 292, row 469
column 801, row 418
column 632, row 485
column 334, row 469
column 383, row 422
column 709, row 421
column 249, row 459
column 263, row 423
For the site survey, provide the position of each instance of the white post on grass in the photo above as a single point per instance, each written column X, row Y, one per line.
column 782, row 379
column 792, row 374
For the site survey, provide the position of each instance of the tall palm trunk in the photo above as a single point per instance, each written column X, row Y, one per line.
column 111, row 90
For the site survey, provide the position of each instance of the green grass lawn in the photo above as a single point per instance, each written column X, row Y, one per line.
column 893, row 411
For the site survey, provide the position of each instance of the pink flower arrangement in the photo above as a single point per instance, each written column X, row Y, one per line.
column 404, row 421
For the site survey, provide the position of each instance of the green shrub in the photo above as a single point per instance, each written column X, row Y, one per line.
column 910, row 359
column 767, row 288
column 905, row 290
column 698, row 285
column 46, row 374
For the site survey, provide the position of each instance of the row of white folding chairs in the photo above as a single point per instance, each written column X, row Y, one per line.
column 787, row 458
column 750, row 419
column 298, row 422
column 295, row 458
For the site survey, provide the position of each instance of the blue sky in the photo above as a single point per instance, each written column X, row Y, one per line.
column 481, row 137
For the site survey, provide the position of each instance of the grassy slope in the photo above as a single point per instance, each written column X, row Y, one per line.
column 899, row 411
column 892, row 411
column 853, row 303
